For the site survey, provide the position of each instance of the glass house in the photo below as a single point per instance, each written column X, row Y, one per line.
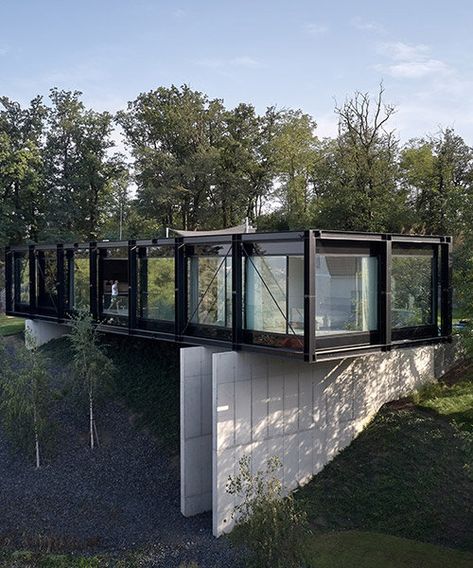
column 313, row 295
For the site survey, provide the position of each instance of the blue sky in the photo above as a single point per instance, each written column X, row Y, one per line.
column 297, row 54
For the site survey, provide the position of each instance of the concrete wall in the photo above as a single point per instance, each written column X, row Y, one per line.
column 42, row 331
column 305, row 414
column 196, row 430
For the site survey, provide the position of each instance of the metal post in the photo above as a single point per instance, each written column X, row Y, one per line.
column 180, row 287
column 8, row 280
column 446, row 290
column 93, row 279
column 60, row 284
column 32, row 263
column 384, row 303
column 237, row 292
column 309, row 296
column 132, row 285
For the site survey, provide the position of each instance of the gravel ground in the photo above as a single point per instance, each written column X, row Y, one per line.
column 122, row 496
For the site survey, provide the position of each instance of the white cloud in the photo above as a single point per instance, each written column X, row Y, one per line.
column 367, row 25
column 179, row 13
column 3, row 51
column 315, row 29
column 411, row 61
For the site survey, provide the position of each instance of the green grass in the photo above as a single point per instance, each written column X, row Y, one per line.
column 30, row 559
column 10, row 325
column 455, row 402
column 409, row 474
column 355, row 549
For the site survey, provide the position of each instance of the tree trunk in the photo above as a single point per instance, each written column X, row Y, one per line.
column 36, row 439
column 91, row 418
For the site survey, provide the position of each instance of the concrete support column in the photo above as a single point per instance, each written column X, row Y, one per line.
column 43, row 331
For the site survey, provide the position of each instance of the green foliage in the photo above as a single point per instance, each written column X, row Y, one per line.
column 25, row 397
column 360, row 549
column 273, row 527
column 453, row 401
column 92, row 367
column 407, row 474
column 147, row 378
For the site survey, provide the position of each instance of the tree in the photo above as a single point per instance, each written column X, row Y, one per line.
column 21, row 161
column 25, row 397
column 91, row 365
column 437, row 173
column 358, row 178
column 296, row 151
column 270, row 525
column 79, row 172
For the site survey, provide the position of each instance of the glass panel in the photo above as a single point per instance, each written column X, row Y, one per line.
column 346, row 293
column 21, row 280
column 46, row 267
column 274, row 294
column 209, row 285
column 156, row 283
column 412, row 287
column 115, row 286
column 80, row 293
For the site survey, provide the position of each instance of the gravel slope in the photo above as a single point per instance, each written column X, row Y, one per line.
column 121, row 496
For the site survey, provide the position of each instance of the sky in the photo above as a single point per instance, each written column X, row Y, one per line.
column 293, row 54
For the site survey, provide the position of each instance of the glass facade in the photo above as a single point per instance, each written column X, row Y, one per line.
column 21, row 294
column 156, row 287
column 414, row 287
column 209, row 286
column 114, row 285
column 307, row 294
column 346, row 293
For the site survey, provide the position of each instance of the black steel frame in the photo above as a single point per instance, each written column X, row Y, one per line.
column 310, row 242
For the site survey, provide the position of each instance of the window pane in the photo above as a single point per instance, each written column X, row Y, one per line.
column 46, row 263
column 412, row 288
column 115, row 285
column 81, row 280
column 265, row 293
column 346, row 293
column 156, row 284
column 22, row 280
column 210, row 287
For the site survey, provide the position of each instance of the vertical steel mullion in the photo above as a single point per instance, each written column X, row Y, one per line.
column 237, row 292
column 384, row 303
column 446, row 279
column 32, row 268
column 60, row 285
column 287, row 295
column 180, row 287
column 93, row 280
column 8, row 280
column 132, row 285
column 101, row 255
column 309, row 296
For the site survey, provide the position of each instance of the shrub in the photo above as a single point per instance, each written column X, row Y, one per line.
column 272, row 526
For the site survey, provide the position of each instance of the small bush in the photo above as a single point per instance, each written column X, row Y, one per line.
column 271, row 526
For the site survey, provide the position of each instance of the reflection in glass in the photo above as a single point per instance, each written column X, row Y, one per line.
column 412, row 290
column 46, row 271
column 274, row 294
column 156, row 284
column 346, row 293
column 81, row 280
column 21, row 280
column 115, row 285
column 209, row 285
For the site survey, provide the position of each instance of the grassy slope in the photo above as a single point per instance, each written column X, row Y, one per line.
column 353, row 549
column 410, row 473
column 146, row 378
column 10, row 325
